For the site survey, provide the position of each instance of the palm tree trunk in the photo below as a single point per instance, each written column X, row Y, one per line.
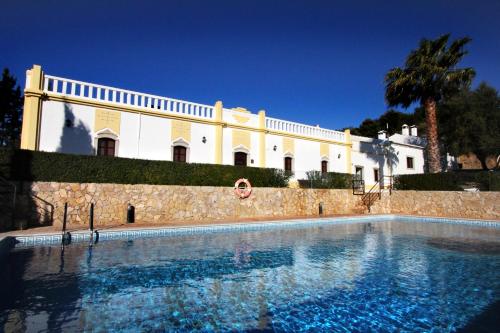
column 433, row 155
column 482, row 159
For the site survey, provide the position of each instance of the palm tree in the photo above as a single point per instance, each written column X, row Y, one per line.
column 429, row 76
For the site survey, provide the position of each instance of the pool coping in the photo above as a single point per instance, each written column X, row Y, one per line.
column 7, row 242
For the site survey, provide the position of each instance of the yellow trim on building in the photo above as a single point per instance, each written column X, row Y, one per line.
column 181, row 130
column 241, row 119
column 108, row 115
column 107, row 119
column 241, row 138
column 151, row 112
column 262, row 139
column 348, row 150
column 288, row 146
column 240, row 109
column 218, row 132
column 324, row 150
column 32, row 105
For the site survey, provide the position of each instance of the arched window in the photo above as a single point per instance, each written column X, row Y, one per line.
column 105, row 147
column 240, row 158
column 288, row 163
column 180, row 154
column 324, row 166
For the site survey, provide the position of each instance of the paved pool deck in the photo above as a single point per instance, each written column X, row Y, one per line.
column 52, row 230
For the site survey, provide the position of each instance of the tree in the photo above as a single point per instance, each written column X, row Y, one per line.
column 470, row 122
column 11, row 103
column 391, row 121
column 429, row 76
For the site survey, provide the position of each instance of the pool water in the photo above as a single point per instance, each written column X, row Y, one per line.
column 357, row 277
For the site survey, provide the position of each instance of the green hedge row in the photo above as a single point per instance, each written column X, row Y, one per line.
column 41, row 166
column 449, row 181
column 317, row 179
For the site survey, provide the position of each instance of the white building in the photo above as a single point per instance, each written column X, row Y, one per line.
column 68, row 116
column 376, row 159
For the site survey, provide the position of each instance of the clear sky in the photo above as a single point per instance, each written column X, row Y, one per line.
column 315, row 62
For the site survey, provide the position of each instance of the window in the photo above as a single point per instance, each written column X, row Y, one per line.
column 359, row 173
column 375, row 175
column 106, row 147
column 240, row 159
column 288, row 164
column 324, row 166
column 409, row 162
column 179, row 154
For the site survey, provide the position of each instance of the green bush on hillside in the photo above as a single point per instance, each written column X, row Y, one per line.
column 42, row 166
column 449, row 181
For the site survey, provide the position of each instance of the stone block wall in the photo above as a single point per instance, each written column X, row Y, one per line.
column 478, row 205
column 163, row 204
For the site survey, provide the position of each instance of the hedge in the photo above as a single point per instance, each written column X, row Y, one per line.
column 449, row 181
column 317, row 179
column 42, row 166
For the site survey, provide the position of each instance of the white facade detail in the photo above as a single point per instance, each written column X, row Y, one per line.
column 75, row 116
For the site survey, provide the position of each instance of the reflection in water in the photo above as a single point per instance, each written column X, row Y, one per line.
column 356, row 277
column 465, row 245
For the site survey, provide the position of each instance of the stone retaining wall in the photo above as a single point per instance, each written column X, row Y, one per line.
column 478, row 205
column 164, row 204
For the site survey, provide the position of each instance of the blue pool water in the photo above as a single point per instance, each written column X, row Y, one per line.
column 359, row 277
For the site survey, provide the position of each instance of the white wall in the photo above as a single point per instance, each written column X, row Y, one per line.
column 254, row 152
column 227, row 146
column 307, row 157
column 274, row 159
column 400, row 168
column 366, row 153
column 149, row 137
column 155, row 140
column 202, row 152
column 336, row 164
column 55, row 136
column 129, row 141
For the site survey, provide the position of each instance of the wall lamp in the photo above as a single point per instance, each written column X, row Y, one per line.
column 204, row 140
column 275, row 147
column 338, row 156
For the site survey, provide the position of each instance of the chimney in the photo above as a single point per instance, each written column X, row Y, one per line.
column 413, row 130
column 405, row 130
column 382, row 135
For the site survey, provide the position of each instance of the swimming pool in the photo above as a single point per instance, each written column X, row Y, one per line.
column 391, row 275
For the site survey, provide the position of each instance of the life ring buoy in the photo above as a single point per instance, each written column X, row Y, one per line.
column 242, row 192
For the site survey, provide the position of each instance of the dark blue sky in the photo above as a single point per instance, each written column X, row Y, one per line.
column 316, row 62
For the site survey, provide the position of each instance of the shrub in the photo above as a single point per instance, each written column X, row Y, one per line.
column 317, row 179
column 42, row 166
column 449, row 181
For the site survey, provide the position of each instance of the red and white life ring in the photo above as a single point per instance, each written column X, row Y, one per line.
column 242, row 191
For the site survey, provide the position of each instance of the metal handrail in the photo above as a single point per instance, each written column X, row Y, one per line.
column 50, row 211
column 368, row 197
column 390, row 187
column 358, row 184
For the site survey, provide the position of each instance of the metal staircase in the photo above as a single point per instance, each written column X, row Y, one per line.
column 369, row 198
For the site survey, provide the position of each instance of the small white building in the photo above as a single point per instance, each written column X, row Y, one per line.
column 68, row 116
column 376, row 159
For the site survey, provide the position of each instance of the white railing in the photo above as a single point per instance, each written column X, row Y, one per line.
column 67, row 87
column 305, row 130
